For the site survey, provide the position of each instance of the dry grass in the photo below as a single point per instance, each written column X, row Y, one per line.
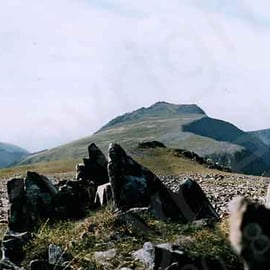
column 100, row 232
column 49, row 168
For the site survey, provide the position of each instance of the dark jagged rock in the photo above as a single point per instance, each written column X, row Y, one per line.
column 39, row 194
column 36, row 198
column 193, row 203
column 74, row 198
column 30, row 202
column 18, row 207
column 135, row 186
column 93, row 168
column 151, row 144
column 15, row 188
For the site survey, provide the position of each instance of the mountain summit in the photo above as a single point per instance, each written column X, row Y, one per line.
column 160, row 109
column 177, row 126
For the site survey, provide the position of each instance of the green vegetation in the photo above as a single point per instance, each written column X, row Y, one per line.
column 100, row 231
column 51, row 167
column 159, row 160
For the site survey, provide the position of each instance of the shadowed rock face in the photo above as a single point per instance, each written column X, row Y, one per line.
column 250, row 233
column 130, row 181
column 94, row 168
column 135, row 186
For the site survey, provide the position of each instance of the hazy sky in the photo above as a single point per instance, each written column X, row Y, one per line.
column 69, row 66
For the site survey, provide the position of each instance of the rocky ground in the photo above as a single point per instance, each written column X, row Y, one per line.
column 220, row 188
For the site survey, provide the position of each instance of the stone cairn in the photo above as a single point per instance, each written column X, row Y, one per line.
column 129, row 187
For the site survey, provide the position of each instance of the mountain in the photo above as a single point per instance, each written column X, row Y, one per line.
column 10, row 154
column 177, row 126
column 263, row 135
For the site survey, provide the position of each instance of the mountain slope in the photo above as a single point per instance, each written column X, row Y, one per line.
column 255, row 156
column 177, row 126
column 263, row 135
column 10, row 154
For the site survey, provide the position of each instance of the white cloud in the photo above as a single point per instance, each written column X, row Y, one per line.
column 67, row 67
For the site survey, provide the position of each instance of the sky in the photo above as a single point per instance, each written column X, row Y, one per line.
column 67, row 67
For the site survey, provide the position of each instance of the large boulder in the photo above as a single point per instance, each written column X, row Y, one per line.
column 17, row 214
column 35, row 198
column 39, row 195
column 135, row 186
column 192, row 202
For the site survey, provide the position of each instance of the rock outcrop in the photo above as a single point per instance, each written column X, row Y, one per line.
column 132, row 188
column 135, row 186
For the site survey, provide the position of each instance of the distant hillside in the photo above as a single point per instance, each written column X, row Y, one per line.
column 177, row 126
column 10, row 154
column 255, row 154
column 263, row 135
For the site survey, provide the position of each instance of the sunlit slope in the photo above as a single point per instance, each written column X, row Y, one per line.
column 177, row 126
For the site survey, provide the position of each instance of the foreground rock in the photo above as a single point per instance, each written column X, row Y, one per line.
column 30, row 200
column 192, row 201
column 250, row 234
column 172, row 257
column 73, row 199
column 135, row 186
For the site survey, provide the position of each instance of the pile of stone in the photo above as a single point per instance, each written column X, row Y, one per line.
column 120, row 180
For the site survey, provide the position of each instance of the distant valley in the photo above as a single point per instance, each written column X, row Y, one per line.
column 11, row 154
